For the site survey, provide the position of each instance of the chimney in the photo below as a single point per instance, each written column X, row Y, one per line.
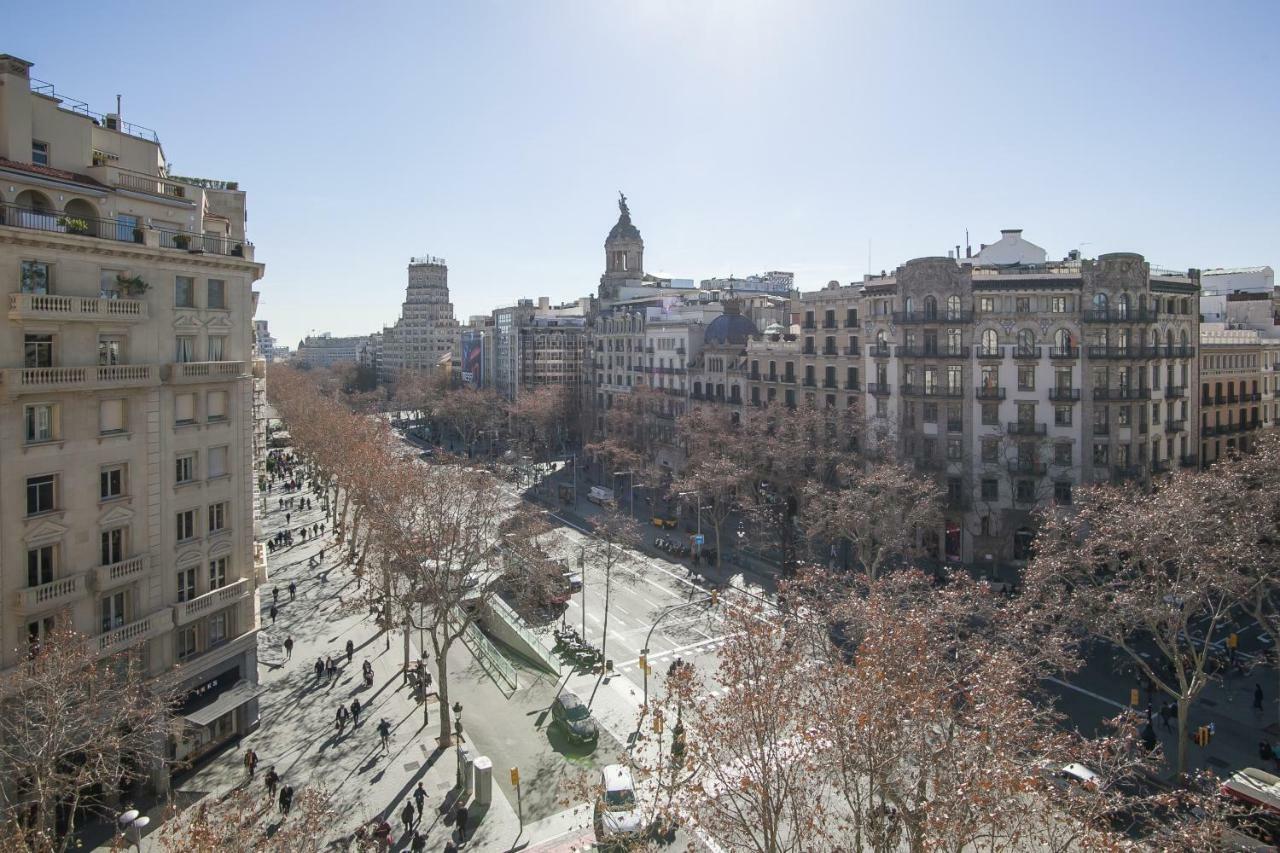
column 544, row 302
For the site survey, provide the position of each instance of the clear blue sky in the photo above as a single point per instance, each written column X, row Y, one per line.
column 747, row 136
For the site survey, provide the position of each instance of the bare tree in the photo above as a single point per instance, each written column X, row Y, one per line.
column 76, row 730
column 717, row 471
column 247, row 820
column 1144, row 571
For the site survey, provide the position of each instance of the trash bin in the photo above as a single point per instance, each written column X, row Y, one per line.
column 466, row 760
column 484, row 780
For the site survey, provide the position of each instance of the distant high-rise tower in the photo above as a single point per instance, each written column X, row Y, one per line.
column 623, row 253
column 426, row 329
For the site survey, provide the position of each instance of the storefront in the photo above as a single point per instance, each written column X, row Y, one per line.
column 215, row 710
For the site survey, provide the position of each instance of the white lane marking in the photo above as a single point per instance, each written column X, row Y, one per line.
column 679, row 650
column 1089, row 693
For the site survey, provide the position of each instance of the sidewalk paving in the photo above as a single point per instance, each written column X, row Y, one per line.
column 298, row 735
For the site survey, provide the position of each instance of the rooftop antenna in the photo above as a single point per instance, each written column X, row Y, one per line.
column 968, row 249
column 868, row 256
column 118, row 108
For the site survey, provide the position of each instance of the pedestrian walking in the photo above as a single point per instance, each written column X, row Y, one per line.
column 368, row 674
column 355, row 713
column 286, row 798
column 272, row 780
column 319, row 668
column 1257, row 698
column 419, row 842
column 384, row 731
column 461, row 819
column 330, row 668
column 287, row 516
column 450, row 847
column 273, row 614
column 293, row 590
column 341, row 720
column 1167, row 713
column 288, row 647
column 420, row 797
column 250, row 761
column 275, row 594
column 406, row 817
column 351, row 650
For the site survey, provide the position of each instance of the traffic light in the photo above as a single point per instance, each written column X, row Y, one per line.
column 657, row 722
column 644, row 664
column 515, row 775
column 715, row 597
column 1133, row 697
column 1203, row 735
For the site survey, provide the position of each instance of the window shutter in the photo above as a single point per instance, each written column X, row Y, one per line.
column 186, row 407
column 111, row 415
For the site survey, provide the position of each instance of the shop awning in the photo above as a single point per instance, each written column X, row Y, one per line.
column 225, row 702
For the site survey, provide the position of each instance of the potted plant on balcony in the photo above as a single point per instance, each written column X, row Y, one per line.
column 131, row 287
column 237, row 251
column 74, row 226
column 182, row 241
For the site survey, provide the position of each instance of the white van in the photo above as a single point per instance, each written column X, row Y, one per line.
column 601, row 495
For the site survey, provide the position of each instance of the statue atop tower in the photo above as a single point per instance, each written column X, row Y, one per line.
column 623, row 253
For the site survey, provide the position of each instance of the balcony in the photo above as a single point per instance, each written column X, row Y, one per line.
column 1027, row 467
column 223, row 596
column 43, row 380
column 1128, row 472
column 1172, row 392
column 830, row 351
column 933, row 352
column 878, row 389
column 810, row 324
column 875, row 351
column 81, row 226
column 1026, row 352
column 1119, row 316
column 49, row 595
column 955, row 426
column 1175, row 351
column 990, row 353
column 126, row 636
column 1122, row 393
column 850, row 351
column 41, row 306
column 1252, row 397
column 1064, row 395
column 809, row 350
column 1026, row 428
column 1161, row 466
column 260, row 368
column 990, row 393
column 852, row 386
column 830, row 383
column 1101, row 429
column 1175, row 426
column 929, row 463
column 916, row 318
column 260, row 570
column 932, row 391
column 191, row 372
column 1129, row 352
column 125, row 571
column 140, row 182
column 1190, row 460
column 788, row 378
column 1232, row 400
column 810, row 382
column 754, row 376
column 1064, row 352
column 829, row 324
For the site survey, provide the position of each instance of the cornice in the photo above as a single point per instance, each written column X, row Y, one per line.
column 59, row 242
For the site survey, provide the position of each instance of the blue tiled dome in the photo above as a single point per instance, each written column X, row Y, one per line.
column 730, row 328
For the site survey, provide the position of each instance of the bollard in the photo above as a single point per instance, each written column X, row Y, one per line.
column 466, row 760
column 484, row 780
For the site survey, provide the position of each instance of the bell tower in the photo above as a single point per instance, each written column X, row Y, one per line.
column 623, row 253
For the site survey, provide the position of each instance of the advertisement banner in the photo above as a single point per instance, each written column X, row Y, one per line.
column 473, row 359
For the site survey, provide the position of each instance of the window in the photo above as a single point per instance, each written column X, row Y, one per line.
column 185, row 468
column 990, row 450
column 110, row 349
column 990, row 342
column 217, row 347
column 882, row 407
column 1062, row 415
column 955, row 449
column 110, row 416
column 186, row 643
column 111, row 482
column 1026, row 413
column 1058, row 304
column 186, row 584
column 217, row 517
column 184, row 348
column 184, row 408
column 217, row 294
column 990, row 489
column 39, row 153
column 218, row 573
column 987, row 304
column 1101, row 453
column 1026, row 342
column 953, row 307
column 990, row 414
column 216, row 405
column 1122, row 416
column 35, row 277
column 217, row 629
column 1026, row 377
column 217, row 462
column 40, row 565
column 184, row 292
column 41, row 422
column 931, row 413
column 113, row 543
column 113, row 610
column 1024, row 491
column 186, row 527
column 37, row 350
column 1022, row 305
column 1062, row 454
column 41, row 495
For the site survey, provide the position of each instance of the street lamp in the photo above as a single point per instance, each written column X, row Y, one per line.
column 457, row 731
column 131, row 824
column 631, row 489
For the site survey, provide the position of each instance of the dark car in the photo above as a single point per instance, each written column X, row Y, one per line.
column 574, row 718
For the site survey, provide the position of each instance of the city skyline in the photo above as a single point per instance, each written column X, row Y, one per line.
column 749, row 137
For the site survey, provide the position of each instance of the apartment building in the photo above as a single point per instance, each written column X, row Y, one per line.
column 426, row 329
column 264, row 340
column 1237, row 388
column 325, row 350
column 126, row 407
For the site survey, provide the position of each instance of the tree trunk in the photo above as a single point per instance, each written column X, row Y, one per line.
column 716, row 524
column 442, row 675
column 1184, row 708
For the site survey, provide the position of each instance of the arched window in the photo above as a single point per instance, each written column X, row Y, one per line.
column 953, row 307
column 930, row 308
column 1122, row 339
column 908, row 304
column 1182, row 339
column 1026, row 341
column 953, row 341
column 881, row 343
column 1168, row 339
column 1062, row 340
column 1122, row 306
column 990, row 342
column 1100, row 303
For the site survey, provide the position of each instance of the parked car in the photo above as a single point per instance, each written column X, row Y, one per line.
column 602, row 496
column 574, row 581
column 617, row 812
column 574, row 718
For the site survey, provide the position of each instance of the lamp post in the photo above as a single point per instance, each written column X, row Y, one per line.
column 131, row 824
column 457, row 731
column 631, row 489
